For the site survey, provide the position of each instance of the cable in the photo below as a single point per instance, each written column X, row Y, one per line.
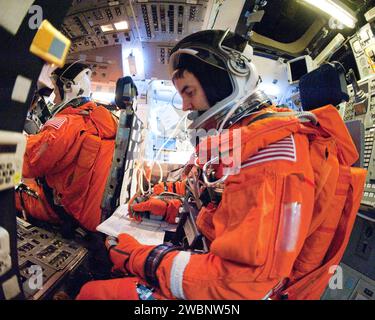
column 163, row 145
column 186, row 129
column 172, row 101
column 140, row 167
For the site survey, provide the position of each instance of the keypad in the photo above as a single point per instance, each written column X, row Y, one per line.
column 6, row 173
column 369, row 142
column 369, row 194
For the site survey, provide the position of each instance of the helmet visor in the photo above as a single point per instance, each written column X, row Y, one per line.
column 176, row 60
column 215, row 47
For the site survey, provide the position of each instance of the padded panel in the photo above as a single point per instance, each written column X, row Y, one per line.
column 325, row 85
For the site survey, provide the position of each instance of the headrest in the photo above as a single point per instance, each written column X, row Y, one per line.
column 126, row 91
column 325, row 85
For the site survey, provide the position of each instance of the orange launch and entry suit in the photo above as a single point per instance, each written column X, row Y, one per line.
column 291, row 207
column 73, row 152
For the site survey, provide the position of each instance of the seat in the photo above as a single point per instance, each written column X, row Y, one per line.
column 322, row 86
column 327, row 85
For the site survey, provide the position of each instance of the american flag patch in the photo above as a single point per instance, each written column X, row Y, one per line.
column 55, row 123
column 284, row 149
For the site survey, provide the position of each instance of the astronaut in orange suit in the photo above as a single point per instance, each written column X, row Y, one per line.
column 67, row 163
column 257, row 230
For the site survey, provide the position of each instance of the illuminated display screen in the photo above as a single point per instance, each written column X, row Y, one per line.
column 8, row 148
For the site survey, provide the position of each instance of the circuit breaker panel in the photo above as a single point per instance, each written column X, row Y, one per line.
column 357, row 265
column 45, row 258
column 363, row 109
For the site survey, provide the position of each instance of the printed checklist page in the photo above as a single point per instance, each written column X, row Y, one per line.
column 148, row 232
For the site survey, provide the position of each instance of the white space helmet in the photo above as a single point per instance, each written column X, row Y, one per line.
column 227, row 51
column 73, row 81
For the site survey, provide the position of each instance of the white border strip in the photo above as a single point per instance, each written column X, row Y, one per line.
column 177, row 274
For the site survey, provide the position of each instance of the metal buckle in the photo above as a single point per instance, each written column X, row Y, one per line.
column 208, row 183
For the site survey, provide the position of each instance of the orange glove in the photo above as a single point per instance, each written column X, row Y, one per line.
column 175, row 187
column 167, row 208
column 122, row 252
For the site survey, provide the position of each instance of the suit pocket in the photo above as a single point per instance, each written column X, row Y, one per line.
column 244, row 221
column 292, row 226
column 86, row 159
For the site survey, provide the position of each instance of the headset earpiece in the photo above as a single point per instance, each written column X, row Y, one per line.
column 239, row 67
column 68, row 86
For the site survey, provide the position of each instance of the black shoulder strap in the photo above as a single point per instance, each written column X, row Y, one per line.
column 69, row 223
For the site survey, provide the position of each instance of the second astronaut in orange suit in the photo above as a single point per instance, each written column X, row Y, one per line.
column 67, row 163
column 263, row 230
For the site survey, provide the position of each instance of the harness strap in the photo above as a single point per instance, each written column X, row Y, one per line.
column 276, row 291
column 21, row 189
column 69, row 223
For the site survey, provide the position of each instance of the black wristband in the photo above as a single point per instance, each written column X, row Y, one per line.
column 153, row 261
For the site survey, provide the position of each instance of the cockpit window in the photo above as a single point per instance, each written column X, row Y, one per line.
column 285, row 21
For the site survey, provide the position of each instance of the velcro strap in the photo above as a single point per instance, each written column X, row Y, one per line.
column 153, row 261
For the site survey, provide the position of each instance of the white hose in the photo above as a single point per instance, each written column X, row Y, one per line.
column 163, row 145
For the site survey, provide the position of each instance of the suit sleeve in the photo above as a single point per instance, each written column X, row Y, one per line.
column 45, row 149
column 253, row 249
